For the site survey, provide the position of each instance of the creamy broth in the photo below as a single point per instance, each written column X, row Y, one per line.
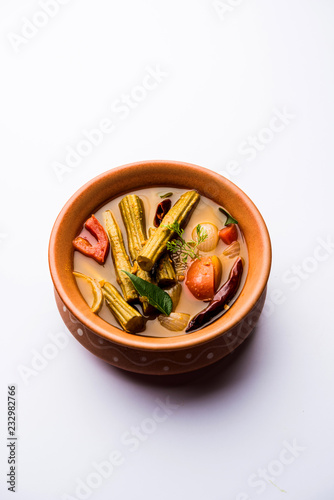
column 205, row 211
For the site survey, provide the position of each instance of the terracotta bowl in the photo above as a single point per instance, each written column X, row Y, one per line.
column 159, row 356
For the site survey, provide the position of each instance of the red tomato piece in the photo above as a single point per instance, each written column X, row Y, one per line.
column 229, row 234
column 98, row 251
column 203, row 277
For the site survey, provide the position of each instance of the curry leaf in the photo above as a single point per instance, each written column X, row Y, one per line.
column 230, row 219
column 155, row 295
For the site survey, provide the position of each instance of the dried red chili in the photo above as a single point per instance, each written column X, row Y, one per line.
column 225, row 293
column 161, row 211
column 98, row 251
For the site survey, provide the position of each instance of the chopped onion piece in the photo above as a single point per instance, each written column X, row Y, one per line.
column 232, row 250
column 175, row 322
column 96, row 290
column 212, row 239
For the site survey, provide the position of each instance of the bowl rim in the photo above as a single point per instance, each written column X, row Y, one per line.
column 140, row 342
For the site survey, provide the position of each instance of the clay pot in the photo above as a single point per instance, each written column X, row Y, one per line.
column 159, row 356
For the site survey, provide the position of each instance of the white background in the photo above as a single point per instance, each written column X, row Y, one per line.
column 224, row 77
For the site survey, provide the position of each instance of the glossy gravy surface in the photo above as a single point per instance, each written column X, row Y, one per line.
column 206, row 211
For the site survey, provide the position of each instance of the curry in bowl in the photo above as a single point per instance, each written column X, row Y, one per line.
column 160, row 262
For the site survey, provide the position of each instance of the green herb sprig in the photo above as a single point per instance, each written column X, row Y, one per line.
column 167, row 195
column 186, row 248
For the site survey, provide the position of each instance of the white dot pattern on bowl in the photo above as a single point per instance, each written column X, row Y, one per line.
column 64, row 308
column 188, row 360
